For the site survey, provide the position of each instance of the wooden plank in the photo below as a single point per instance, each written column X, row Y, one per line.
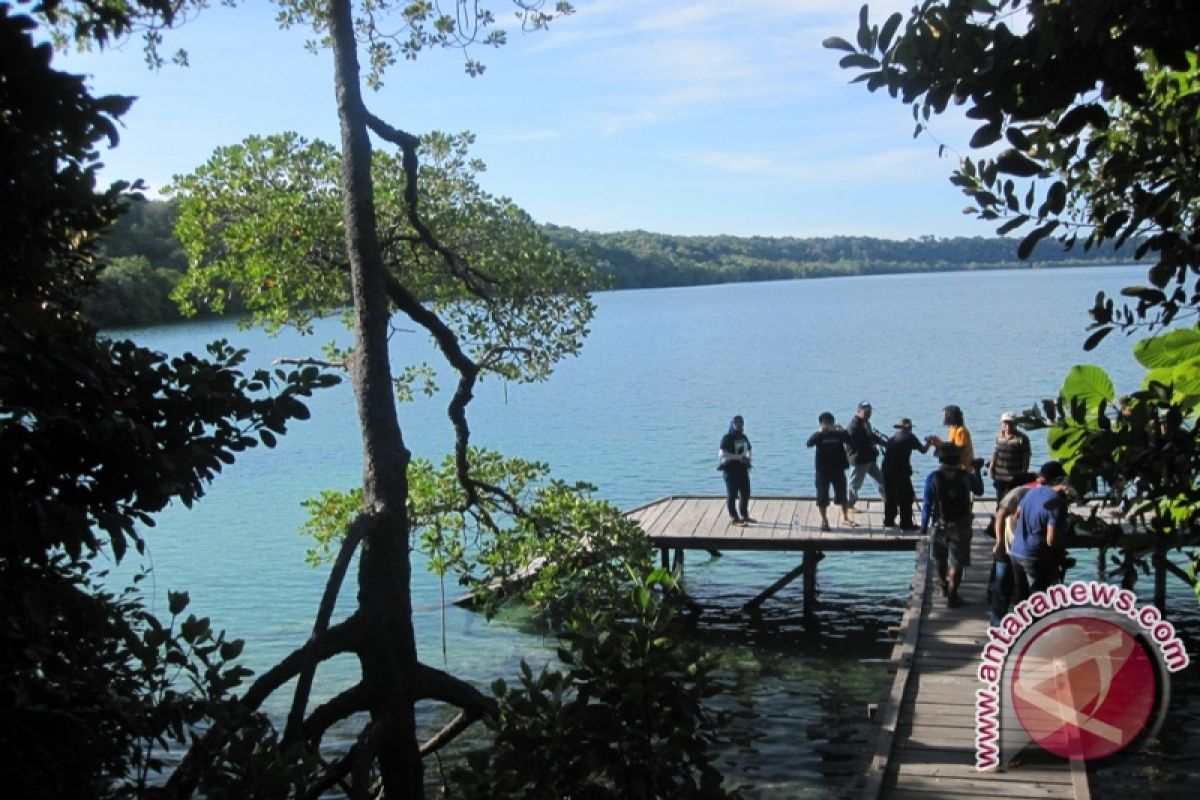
column 911, row 629
column 688, row 517
column 714, row 518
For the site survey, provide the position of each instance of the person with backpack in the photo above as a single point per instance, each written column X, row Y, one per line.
column 948, row 505
column 734, row 455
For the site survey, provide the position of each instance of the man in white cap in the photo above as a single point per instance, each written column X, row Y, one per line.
column 1010, row 455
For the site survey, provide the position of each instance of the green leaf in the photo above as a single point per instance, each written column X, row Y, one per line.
column 1025, row 249
column 1088, row 383
column 986, row 135
column 1012, row 162
column 859, row 61
column 1096, row 337
column 838, row 43
column 865, row 37
column 1012, row 224
column 889, row 30
column 1169, row 349
column 177, row 602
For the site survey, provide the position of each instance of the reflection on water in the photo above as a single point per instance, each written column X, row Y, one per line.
column 798, row 690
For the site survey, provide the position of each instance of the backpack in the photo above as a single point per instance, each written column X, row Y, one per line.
column 953, row 495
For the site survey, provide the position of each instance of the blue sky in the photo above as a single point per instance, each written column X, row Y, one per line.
column 687, row 117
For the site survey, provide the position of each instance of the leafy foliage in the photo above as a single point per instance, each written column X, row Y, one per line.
column 1096, row 102
column 421, row 25
column 96, row 435
column 583, row 547
column 108, row 691
column 624, row 717
column 263, row 218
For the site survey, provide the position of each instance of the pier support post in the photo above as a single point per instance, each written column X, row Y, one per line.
column 811, row 558
column 807, row 568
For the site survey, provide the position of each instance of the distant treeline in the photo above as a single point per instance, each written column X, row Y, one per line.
column 145, row 261
column 641, row 260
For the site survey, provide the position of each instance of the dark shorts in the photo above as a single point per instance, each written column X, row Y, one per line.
column 835, row 479
column 952, row 541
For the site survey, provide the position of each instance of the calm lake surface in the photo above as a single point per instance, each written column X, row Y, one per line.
column 640, row 414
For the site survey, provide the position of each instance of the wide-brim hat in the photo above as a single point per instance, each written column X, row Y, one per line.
column 903, row 422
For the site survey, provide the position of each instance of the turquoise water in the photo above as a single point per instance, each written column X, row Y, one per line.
column 639, row 414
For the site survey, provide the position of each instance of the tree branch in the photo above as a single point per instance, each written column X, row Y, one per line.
column 335, row 710
column 438, row 685
column 311, row 362
column 340, row 638
column 333, row 587
column 359, row 754
column 474, row 281
column 434, row 684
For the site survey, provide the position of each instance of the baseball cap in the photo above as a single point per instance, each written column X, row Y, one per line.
column 1052, row 472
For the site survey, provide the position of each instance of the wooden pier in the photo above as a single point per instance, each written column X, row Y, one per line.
column 679, row 523
column 925, row 747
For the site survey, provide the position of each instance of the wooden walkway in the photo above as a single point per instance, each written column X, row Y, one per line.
column 926, row 744
column 925, row 748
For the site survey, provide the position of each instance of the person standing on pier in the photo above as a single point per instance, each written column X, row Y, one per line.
column 864, row 452
column 958, row 435
column 1010, row 455
column 735, row 464
column 1037, row 546
column 948, row 505
column 831, row 441
column 1000, row 582
column 898, row 495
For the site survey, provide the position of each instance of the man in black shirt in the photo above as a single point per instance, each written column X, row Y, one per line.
column 735, row 464
column 831, row 441
column 864, row 451
column 898, row 495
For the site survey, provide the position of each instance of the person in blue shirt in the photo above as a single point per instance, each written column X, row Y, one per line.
column 1036, row 548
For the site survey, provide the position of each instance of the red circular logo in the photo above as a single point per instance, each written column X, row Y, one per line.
column 1083, row 688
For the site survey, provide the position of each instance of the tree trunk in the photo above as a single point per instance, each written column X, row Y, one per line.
column 388, row 655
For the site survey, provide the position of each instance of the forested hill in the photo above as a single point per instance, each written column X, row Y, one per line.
column 638, row 259
column 145, row 260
